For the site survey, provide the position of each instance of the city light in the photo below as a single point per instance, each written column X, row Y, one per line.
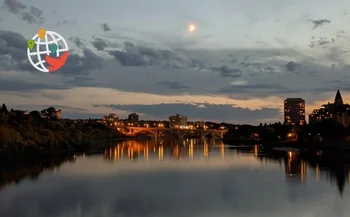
column 177, row 122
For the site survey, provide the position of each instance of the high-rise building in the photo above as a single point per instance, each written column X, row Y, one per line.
column 177, row 121
column 133, row 118
column 294, row 111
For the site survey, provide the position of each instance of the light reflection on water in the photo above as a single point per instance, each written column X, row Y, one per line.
column 135, row 150
column 141, row 178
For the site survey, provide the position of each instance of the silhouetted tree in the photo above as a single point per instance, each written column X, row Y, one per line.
column 4, row 108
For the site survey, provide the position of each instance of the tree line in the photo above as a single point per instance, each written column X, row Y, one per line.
column 27, row 134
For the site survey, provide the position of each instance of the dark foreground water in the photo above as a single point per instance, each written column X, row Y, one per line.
column 171, row 179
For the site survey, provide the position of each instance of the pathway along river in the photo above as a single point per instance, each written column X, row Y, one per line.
column 139, row 178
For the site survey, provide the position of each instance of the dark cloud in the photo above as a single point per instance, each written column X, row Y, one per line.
column 319, row 22
column 13, row 51
column 82, row 64
column 25, row 86
column 15, row 6
column 133, row 55
column 99, row 43
column 105, row 27
column 321, row 41
column 144, row 56
column 341, row 84
column 291, row 66
column 173, row 84
column 203, row 111
column 30, row 14
column 77, row 41
column 227, row 71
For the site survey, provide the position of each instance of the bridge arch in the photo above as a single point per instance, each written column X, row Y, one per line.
column 140, row 131
column 216, row 135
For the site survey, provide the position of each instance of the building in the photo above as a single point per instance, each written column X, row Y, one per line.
column 177, row 121
column 294, row 111
column 320, row 115
column 133, row 118
column 111, row 119
column 199, row 124
column 337, row 111
column 51, row 113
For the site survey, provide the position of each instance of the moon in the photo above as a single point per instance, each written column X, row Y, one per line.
column 192, row 27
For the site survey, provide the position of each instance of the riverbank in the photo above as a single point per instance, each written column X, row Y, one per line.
column 337, row 148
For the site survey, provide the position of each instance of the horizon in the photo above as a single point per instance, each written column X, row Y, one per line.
column 237, row 65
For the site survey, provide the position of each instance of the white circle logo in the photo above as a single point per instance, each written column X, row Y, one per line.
column 47, row 51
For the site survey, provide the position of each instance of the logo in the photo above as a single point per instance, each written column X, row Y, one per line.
column 47, row 51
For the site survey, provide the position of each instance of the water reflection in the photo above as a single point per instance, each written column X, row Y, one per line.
column 135, row 150
column 15, row 172
column 251, row 182
column 335, row 170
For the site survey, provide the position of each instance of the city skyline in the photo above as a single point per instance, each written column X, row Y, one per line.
column 238, row 66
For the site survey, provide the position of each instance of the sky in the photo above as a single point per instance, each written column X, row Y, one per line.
column 239, row 65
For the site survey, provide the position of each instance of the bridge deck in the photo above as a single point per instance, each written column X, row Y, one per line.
column 175, row 129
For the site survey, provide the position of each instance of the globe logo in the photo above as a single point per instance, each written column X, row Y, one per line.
column 47, row 51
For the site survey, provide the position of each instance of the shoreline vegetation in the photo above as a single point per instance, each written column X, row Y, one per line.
column 29, row 135
column 26, row 135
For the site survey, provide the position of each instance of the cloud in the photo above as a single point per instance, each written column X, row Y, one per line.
column 77, row 41
column 256, row 90
column 238, row 83
column 105, row 27
column 25, row 86
column 321, row 42
column 66, row 22
column 77, row 64
column 99, row 43
column 227, row 71
column 134, row 55
column 204, row 111
column 319, row 22
column 30, row 14
column 291, row 66
column 173, row 84
column 12, row 51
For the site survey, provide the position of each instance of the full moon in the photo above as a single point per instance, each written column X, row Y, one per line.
column 192, row 28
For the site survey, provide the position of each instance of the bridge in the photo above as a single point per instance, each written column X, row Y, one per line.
column 156, row 132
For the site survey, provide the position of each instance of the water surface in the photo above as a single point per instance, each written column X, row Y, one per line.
column 139, row 178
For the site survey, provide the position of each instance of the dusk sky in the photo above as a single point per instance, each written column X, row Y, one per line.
column 243, row 60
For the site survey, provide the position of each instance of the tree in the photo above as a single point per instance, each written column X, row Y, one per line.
column 35, row 114
column 4, row 108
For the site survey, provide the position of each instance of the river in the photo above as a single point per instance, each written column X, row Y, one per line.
column 187, row 179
